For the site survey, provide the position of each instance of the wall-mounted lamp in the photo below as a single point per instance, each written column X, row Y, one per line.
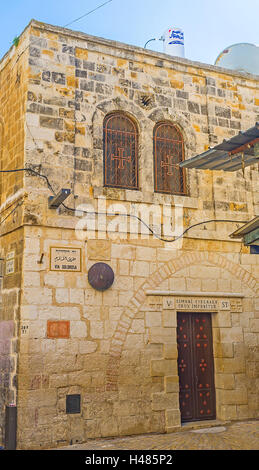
column 56, row 201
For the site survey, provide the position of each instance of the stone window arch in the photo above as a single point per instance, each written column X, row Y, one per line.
column 168, row 153
column 120, row 149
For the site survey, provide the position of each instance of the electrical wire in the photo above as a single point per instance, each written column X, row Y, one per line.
column 10, row 213
column 86, row 14
column 34, row 172
column 8, row 207
column 107, row 214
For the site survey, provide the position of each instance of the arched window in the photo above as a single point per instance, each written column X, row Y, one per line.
column 168, row 153
column 120, row 140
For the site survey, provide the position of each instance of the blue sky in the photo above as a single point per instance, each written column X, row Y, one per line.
column 209, row 26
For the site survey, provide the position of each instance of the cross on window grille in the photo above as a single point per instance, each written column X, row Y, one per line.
column 169, row 165
column 121, row 158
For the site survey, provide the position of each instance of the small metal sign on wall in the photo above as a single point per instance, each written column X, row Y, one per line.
column 73, row 404
column 65, row 259
column 101, row 276
column 10, row 263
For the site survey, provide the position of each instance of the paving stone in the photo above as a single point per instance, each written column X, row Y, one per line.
column 234, row 436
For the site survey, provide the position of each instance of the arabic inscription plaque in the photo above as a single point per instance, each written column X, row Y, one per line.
column 65, row 259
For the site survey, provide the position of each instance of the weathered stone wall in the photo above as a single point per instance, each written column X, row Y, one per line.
column 9, row 320
column 77, row 80
column 120, row 350
column 121, row 353
column 13, row 95
column 13, row 91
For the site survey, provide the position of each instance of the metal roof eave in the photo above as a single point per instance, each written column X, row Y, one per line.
column 247, row 228
column 251, row 237
column 215, row 160
column 226, row 156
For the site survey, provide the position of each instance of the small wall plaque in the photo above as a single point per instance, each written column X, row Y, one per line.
column 73, row 404
column 9, row 267
column 58, row 329
column 25, row 329
column 65, row 259
column 10, row 255
column 101, row 276
column 9, row 264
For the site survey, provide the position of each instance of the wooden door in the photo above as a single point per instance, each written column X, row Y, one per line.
column 195, row 366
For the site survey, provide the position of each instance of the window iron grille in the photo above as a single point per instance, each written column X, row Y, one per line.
column 168, row 153
column 120, row 152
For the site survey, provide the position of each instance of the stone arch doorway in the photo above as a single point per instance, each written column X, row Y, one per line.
column 167, row 270
column 163, row 365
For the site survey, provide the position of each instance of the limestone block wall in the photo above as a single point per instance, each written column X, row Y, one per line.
column 75, row 80
column 120, row 354
column 13, row 92
column 10, row 320
column 118, row 349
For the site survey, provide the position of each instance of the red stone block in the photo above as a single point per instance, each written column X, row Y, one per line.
column 58, row 329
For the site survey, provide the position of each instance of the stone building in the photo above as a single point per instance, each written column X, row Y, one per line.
column 175, row 336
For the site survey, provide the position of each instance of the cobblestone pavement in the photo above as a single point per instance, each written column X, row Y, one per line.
column 220, row 436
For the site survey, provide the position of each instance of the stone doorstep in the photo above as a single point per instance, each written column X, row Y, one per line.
column 196, row 425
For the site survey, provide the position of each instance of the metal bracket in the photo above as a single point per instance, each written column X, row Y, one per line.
column 56, row 201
